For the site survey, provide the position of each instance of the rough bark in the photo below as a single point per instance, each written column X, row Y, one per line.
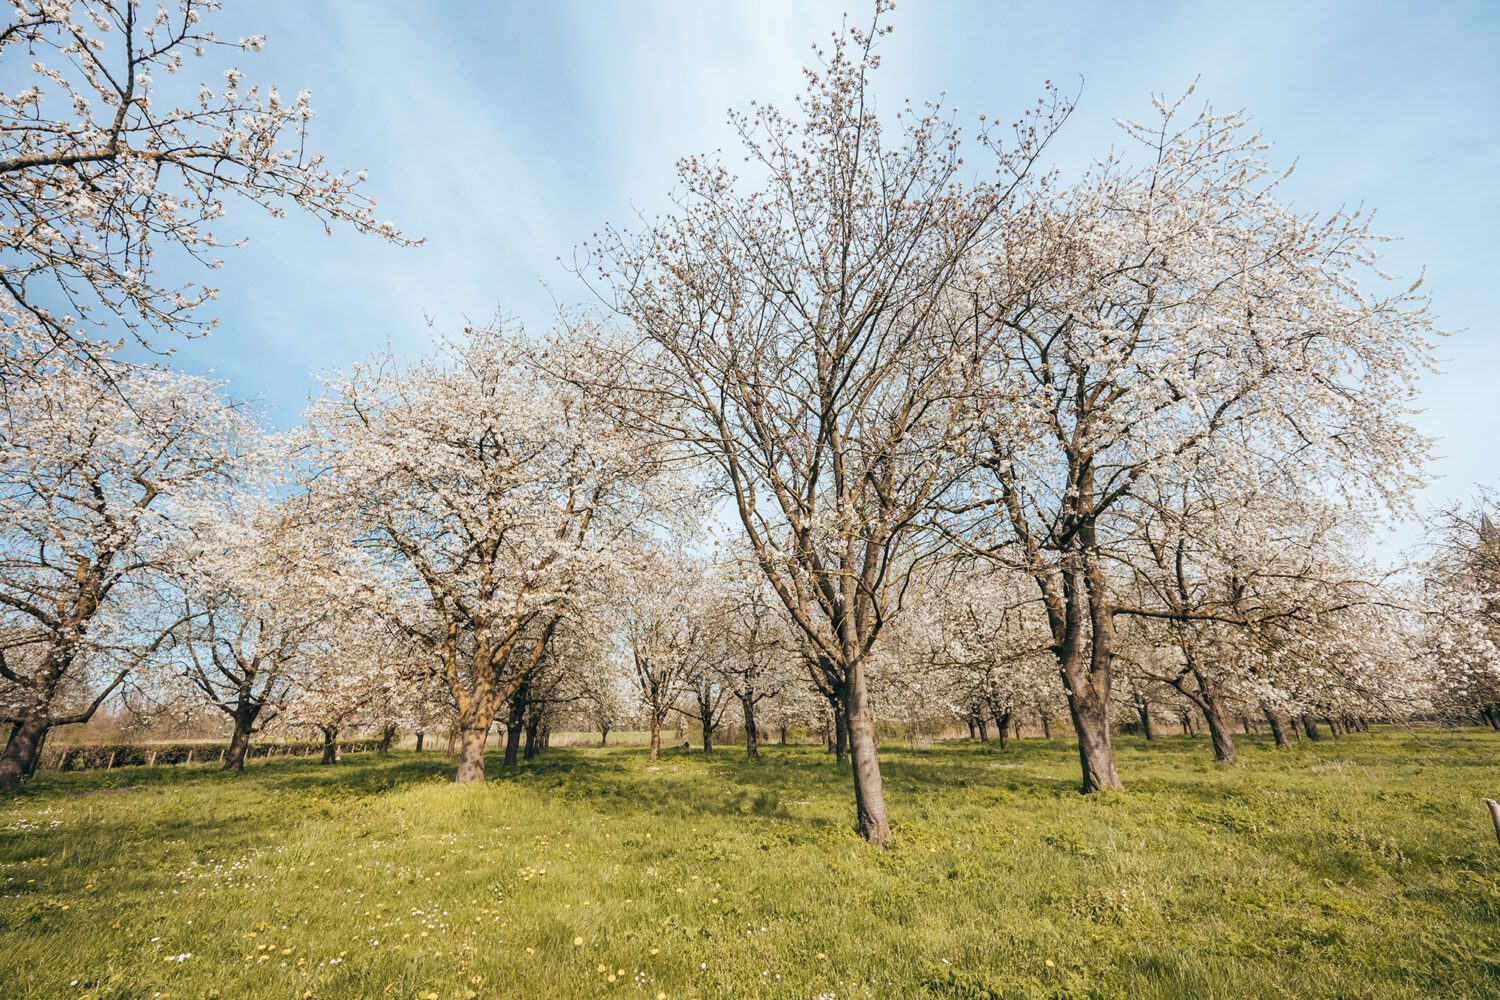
column 1310, row 728
column 869, row 789
column 752, row 735
column 22, row 751
column 1218, row 730
column 239, row 746
column 386, row 736
column 655, row 737
column 420, row 737
column 471, row 740
column 1144, row 711
column 1278, row 729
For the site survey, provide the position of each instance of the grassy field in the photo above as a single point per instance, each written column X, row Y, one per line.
column 1364, row 867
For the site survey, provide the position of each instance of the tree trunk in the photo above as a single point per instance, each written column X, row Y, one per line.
column 420, row 735
column 1090, row 714
column 1144, row 711
column 655, row 737
column 533, row 741
column 984, row 728
column 513, row 730
column 23, row 750
column 973, row 729
column 1334, row 729
column 1278, row 729
column 330, row 745
column 1002, row 728
column 604, row 735
column 752, row 736
column 1046, row 726
column 1218, row 729
column 869, row 790
column 239, row 746
column 1310, row 727
column 386, row 736
column 840, row 733
column 471, row 740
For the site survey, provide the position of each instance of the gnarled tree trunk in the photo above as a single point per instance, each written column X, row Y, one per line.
column 22, row 751
column 471, row 740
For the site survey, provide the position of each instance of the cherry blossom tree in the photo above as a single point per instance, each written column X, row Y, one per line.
column 108, row 154
column 667, row 623
column 480, row 493
column 258, row 601
column 1154, row 313
column 807, row 335
column 89, row 486
column 1462, row 598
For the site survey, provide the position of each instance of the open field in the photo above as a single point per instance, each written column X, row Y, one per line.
column 1364, row 867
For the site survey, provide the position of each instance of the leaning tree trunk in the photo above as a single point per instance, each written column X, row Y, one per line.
column 239, row 745
column 1218, row 730
column 471, row 740
column 22, row 751
column 1278, row 729
column 330, row 745
column 1144, row 711
column 869, row 790
column 752, row 736
column 1310, row 728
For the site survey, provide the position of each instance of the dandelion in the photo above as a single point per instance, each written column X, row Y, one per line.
column 578, row 942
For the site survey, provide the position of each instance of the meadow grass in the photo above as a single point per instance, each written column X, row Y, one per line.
column 1362, row 867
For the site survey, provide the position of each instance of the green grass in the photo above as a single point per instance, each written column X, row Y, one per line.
column 1364, row 867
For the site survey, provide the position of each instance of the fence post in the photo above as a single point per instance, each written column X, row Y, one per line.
column 62, row 762
column 151, row 762
column 190, row 755
column 111, row 765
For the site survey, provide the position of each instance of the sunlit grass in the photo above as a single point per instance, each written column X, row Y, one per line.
column 1358, row 868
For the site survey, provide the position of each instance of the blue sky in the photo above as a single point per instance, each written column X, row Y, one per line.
column 507, row 133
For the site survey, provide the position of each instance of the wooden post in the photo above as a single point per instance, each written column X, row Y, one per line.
column 1494, row 815
column 152, row 761
column 190, row 755
column 111, row 765
column 62, row 762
